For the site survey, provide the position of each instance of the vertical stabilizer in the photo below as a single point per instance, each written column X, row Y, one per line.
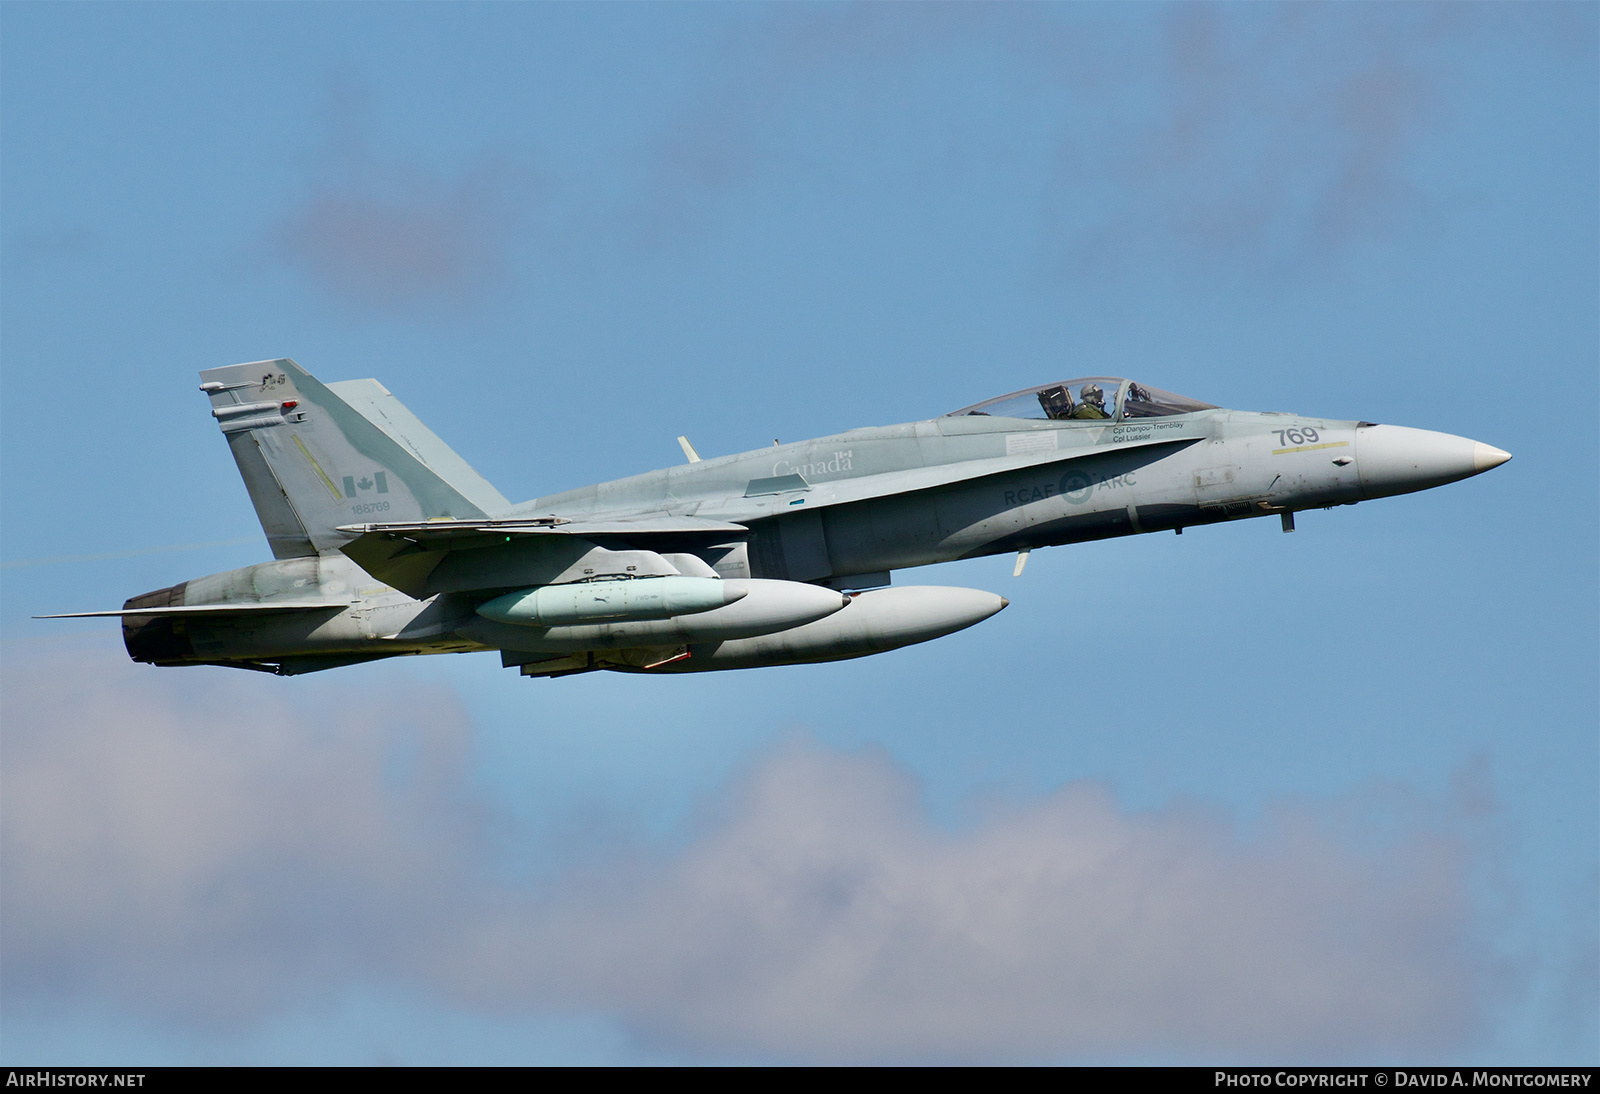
column 312, row 461
column 377, row 405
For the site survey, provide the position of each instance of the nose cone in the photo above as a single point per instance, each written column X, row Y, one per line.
column 1393, row 459
column 1485, row 456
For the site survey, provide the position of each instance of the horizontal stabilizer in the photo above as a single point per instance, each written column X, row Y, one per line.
column 207, row 609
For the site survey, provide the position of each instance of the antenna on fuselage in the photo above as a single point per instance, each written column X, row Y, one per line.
column 1022, row 562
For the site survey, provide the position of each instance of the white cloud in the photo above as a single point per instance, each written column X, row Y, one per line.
column 824, row 918
column 205, row 851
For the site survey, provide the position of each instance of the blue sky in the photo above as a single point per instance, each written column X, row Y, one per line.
column 1327, row 797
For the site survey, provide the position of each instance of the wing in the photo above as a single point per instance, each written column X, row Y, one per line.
column 663, row 524
column 424, row 557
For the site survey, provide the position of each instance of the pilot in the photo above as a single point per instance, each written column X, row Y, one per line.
column 1092, row 403
column 1057, row 402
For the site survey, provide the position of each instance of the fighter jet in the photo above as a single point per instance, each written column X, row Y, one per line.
column 386, row 543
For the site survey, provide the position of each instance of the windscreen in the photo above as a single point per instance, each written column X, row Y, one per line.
column 1152, row 402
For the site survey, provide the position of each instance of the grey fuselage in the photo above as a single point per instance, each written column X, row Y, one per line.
column 840, row 511
column 887, row 498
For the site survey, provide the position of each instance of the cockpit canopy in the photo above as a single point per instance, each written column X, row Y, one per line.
column 1092, row 398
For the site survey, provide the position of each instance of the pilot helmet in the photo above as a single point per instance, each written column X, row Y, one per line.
column 1091, row 393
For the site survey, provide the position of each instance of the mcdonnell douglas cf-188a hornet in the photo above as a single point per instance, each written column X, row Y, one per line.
column 385, row 542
